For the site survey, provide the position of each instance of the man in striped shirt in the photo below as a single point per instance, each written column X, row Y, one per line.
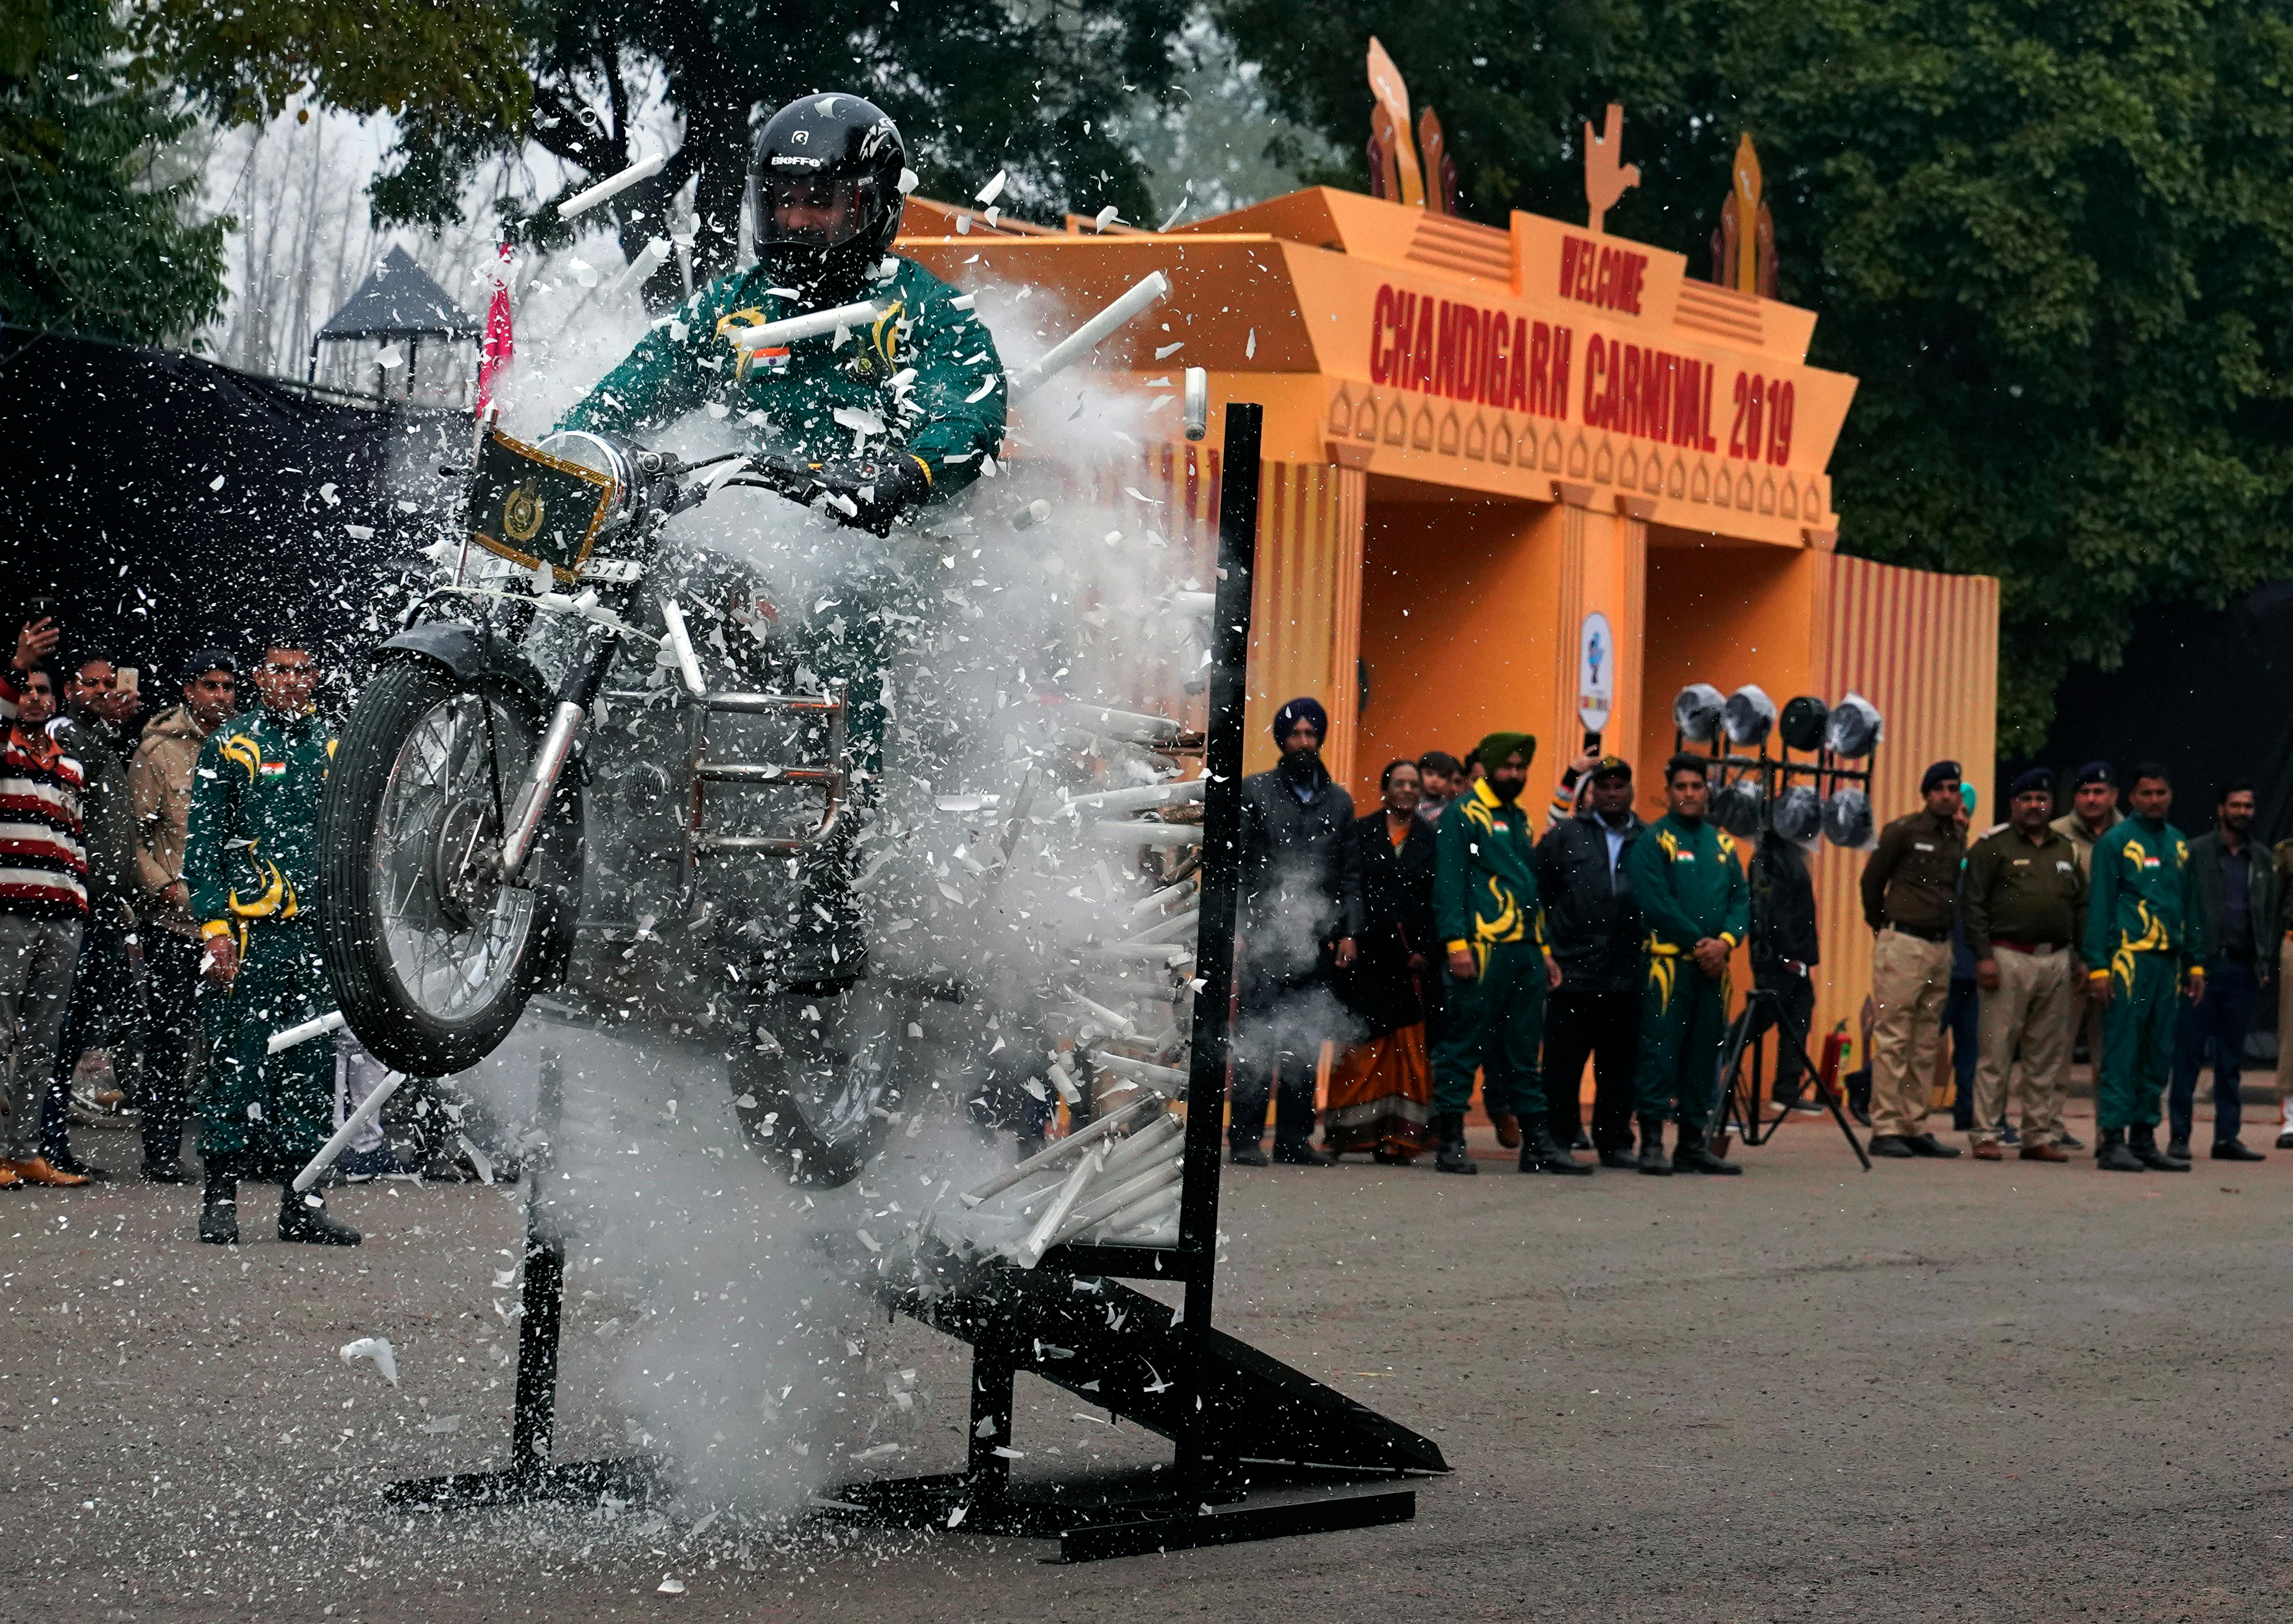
column 43, row 902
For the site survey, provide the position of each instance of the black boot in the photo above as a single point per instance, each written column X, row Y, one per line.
column 1652, row 1158
column 2111, row 1156
column 1452, row 1157
column 303, row 1217
column 1543, row 1154
column 219, row 1211
column 1695, row 1155
column 2141, row 1139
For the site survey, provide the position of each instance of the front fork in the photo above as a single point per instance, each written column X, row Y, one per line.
column 531, row 806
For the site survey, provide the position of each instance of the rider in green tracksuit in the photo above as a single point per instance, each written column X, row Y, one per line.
column 2144, row 940
column 890, row 414
column 1691, row 891
column 1487, row 915
column 895, row 411
column 251, row 863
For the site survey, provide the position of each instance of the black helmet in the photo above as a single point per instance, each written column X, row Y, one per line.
column 824, row 193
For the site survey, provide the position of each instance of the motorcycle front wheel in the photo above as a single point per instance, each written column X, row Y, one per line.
column 432, row 959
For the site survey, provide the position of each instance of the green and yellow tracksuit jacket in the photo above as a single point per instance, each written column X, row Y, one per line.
column 924, row 381
column 2143, row 898
column 1484, row 876
column 1690, row 885
column 252, row 850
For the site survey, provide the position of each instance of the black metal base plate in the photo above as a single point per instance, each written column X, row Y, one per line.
column 1091, row 1527
column 632, row 1479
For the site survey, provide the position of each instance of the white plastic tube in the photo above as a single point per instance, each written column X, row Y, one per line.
column 1105, row 803
column 650, row 258
column 370, row 1107
column 1148, row 290
column 770, row 335
column 317, row 1027
column 687, row 662
column 1075, row 1143
column 643, row 169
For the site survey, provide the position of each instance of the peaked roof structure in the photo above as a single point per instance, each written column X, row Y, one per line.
column 398, row 301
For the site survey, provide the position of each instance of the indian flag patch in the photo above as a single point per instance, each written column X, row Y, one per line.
column 274, row 769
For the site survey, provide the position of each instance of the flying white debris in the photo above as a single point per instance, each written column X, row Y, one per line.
column 377, row 1348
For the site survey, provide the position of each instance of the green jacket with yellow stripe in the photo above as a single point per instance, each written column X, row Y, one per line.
column 2141, row 898
column 252, row 849
column 1485, row 875
column 1690, row 884
column 925, row 380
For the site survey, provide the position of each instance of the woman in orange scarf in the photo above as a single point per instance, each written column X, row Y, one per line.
column 1380, row 1097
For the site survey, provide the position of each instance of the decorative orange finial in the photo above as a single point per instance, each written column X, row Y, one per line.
column 1390, row 122
column 1748, row 214
column 1604, row 179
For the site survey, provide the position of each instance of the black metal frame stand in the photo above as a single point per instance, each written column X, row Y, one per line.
column 531, row 1475
column 1238, row 1420
column 1739, row 1097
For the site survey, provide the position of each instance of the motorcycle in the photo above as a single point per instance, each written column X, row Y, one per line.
column 538, row 796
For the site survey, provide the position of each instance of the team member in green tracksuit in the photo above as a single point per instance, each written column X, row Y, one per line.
column 894, row 412
column 1697, row 906
column 1487, row 914
column 2144, row 943
column 251, row 862
column 890, row 414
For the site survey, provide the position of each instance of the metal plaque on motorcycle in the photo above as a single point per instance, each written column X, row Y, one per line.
column 528, row 506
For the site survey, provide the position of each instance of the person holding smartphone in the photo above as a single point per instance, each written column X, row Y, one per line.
column 42, row 899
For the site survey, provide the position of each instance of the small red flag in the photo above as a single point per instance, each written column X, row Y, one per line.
column 499, row 343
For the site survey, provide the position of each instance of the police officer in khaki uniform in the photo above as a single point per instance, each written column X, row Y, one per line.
column 1909, row 886
column 2023, row 907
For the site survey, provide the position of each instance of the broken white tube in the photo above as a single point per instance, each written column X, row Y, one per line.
column 770, row 334
column 1139, row 1070
column 643, row 169
column 1082, row 1139
column 1198, row 403
column 1102, row 1205
column 1145, row 1210
column 650, row 258
column 318, row 1027
column 1038, row 1239
column 687, row 662
column 1149, row 289
column 1137, row 798
column 368, row 1109
column 1132, row 834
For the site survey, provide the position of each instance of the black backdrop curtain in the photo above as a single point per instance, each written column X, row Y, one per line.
column 170, row 504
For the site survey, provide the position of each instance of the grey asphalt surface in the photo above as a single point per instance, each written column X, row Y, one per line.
column 1936, row 1391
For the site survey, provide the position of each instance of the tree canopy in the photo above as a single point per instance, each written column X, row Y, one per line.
column 2049, row 236
column 97, row 241
column 977, row 85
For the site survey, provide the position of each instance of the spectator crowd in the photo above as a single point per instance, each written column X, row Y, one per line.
column 153, row 874
column 157, row 876
column 1451, row 940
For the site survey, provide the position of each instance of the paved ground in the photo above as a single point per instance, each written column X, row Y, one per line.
column 1937, row 1391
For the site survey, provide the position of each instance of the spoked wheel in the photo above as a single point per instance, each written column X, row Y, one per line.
column 818, row 1086
column 432, row 960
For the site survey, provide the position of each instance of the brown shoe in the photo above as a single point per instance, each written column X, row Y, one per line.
column 1508, row 1127
column 1987, row 1150
column 2044, row 1152
column 38, row 1170
column 8, row 1174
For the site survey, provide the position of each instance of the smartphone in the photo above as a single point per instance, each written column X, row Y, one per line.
column 1592, row 742
column 41, row 609
column 129, row 677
